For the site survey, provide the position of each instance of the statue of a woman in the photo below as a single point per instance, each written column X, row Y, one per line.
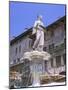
column 39, row 30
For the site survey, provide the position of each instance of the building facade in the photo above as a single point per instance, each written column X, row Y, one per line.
column 55, row 44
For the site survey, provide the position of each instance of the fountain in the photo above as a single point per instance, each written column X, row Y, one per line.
column 37, row 56
column 37, row 66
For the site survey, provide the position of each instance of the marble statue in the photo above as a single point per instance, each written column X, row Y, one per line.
column 38, row 29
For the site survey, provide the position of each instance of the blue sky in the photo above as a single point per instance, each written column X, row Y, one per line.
column 23, row 15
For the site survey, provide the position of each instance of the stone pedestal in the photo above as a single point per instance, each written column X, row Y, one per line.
column 37, row 65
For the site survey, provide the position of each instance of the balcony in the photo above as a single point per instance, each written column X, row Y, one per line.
column 57, row 48
column 60, row 47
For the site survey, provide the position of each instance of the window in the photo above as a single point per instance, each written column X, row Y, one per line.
column 51, row 46
column 44, row 49
column 19, row 48
column 52, row 62
column 58, row 61
column 52, row 33
column 30, row 42
column 64, row 58
column 48, row 35
column 14, row 61
column 18, row 59
column 16, row 50
column 45, row 65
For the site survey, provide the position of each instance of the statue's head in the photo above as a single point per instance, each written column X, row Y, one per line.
column 39, row 17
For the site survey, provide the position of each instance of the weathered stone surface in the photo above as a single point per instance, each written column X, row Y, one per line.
column 37, row 54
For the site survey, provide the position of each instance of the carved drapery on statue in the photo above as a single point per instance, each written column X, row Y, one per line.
column 38, row 29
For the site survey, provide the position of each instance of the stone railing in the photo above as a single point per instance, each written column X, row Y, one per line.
column 61, row 46
column 57, row 48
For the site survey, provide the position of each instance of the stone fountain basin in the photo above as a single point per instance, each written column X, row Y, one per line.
column 37, row 54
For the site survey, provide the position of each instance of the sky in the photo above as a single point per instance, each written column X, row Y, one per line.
column 23, row 15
